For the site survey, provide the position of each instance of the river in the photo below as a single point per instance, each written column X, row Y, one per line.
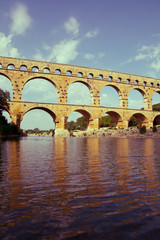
column 80, row 188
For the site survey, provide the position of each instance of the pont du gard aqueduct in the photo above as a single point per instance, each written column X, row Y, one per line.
column 21, row 71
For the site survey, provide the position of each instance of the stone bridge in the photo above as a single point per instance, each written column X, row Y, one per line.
column 21, row 71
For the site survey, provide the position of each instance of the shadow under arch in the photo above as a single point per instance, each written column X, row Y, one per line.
column 79, row 93
column 156, row 120
column 141, row 119
column 52, row 114
column 117, row 119
column 45, row 91
column 137, row 105
column 115, row 96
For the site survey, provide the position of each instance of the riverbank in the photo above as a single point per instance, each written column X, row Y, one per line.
column 103, row 132
column 121, row 133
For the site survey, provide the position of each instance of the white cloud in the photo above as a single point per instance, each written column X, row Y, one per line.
column 72, row 26
column 89, row 56
column 6, row 46
column 21, row 20
column 65, row 51
column 92, row 34
column 101, row 54
column 151, row 54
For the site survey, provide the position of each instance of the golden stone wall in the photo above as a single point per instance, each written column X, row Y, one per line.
column 20, row 71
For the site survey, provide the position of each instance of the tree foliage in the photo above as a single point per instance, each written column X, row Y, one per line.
column 80, row 124
column 133, row 122
column 8, row 128
column 156, row 107
column 4, row 98
column 106, row 121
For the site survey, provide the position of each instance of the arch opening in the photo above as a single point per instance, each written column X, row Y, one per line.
column 138, row 119
column 136, row 99
column 35, row 69
column 79, row 74
column 109, row 96
column 41, row 119
column 46, row 70
column 57, row 71
column 69, row 73
column 156, row 101
column 6, row 85
column 79, row 94
column 100, row 77
column 11, row 66
column 40, row 90
column 156, row 121
column 78, row 120
column 23, row 68
column 110, row 119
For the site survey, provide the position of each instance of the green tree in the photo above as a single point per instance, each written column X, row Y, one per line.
column 81, row 123
column 142, row 129
column 106, row 121
column 133, row 122
column 4, row 98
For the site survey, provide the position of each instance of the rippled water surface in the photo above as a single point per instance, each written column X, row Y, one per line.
column 80, row 188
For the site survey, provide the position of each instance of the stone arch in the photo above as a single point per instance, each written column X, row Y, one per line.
column 85, row 113
column 23, row 68
column 142, row 102
column 45, row 93
column 35, row 69
column 141, row 119
column 6, row 86
column 43, row 78
column 156, row 98
column 11, row 66
column 51, row 113
column 113, row 102
column 69, row 73
column 72, row 96
column 46, row 70
column 117, row 119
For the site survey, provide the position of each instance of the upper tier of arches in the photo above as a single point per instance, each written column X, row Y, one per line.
column 76, row 71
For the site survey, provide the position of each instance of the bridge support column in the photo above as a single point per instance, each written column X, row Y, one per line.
column 94, row 124
column 62, row 96
column 147, row 103
column 61, row 127
column 122, row 124
column 123, row 103
column 16, row 119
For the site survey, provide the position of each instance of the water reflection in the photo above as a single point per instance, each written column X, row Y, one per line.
column 66, row 188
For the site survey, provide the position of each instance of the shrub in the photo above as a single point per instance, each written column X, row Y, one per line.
column 142, row 129
column 154, row 129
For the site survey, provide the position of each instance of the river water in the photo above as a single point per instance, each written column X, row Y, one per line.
column 80, row 188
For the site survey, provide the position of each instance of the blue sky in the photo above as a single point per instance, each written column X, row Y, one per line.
column 122, row 36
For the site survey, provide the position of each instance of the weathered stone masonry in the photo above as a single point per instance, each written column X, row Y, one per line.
column 20, row 71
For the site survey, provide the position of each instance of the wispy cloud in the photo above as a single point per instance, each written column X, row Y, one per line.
column 89, row 56
column 150, row 54
column 92, row 34
column 6, row 46
column 72, row 26
column 21, row 20
column 65, row 51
